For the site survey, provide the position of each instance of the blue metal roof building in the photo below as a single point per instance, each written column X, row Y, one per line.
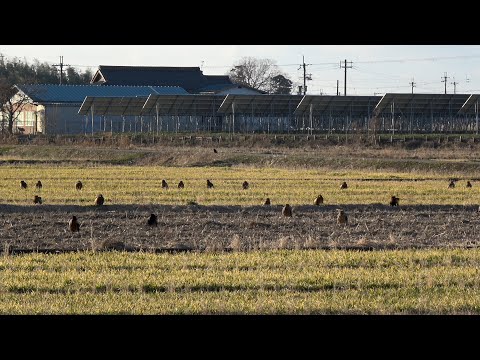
column 53, row 109
column 50, row 93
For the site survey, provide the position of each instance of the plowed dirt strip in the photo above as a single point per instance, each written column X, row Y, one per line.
column 216, row 228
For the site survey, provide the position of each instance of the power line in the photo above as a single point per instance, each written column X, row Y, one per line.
column 345, row 66
column 445, row 77
column 454, row 83
column 61, row 65
column 305, row 75
column 413, row 84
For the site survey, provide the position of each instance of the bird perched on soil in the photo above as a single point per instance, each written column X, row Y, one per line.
column 451, row 185
column 215, row 151
column 23, row 184
column 209, row 184
column 152, row 220
column 342, row 218
column 394, row 201
column 267, row 202
column 38, row 185
column 164, row 184
column 79, row 185
column 469, row 184
column 181, row 185
column 318, row 200
column 344, row 185
column 245, row 185
column 73, row 224
column 37, row 199
column 99, row 200
column 287, row 210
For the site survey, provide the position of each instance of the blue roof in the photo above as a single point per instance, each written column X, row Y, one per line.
column 50, row 93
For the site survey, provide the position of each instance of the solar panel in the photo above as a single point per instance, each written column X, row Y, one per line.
column 182, row 104
column 470, row 107
column 352, row 105
column 260, row 104
column 113, row 105
column 421, row 104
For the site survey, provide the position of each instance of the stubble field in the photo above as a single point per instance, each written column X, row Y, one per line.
column 220, row 251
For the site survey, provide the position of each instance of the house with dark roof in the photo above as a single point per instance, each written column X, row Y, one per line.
column 191, row 79
column 53, row 109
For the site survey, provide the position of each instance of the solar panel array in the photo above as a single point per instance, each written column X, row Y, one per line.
column 260, row 104
column 337, row 105
column 421, row 104
column 283, row 105
column 123, row 106
column 182, row 104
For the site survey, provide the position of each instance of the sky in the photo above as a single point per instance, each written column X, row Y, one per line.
column 375, row 69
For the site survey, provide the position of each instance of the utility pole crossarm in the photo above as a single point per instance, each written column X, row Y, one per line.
column 413, row 84
column 346, row 67
column 445, row 77
column 305, row 75
column 61, row 65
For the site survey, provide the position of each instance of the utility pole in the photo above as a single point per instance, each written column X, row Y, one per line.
column 454, row 83
column 445, row 77
column 305, row 75
column 61, row 65
column 345, row 66
column 413, row 84
column 337, row 87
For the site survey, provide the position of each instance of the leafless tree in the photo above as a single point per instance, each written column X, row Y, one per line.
column 12, row 103
column 260, row 74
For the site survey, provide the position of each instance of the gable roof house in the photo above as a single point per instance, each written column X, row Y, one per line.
column 53, row 109
column 191, row 79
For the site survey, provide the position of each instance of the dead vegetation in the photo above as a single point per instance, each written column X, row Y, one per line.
column 227, row 228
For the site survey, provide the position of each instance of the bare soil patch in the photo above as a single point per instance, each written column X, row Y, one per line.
column 44, row 228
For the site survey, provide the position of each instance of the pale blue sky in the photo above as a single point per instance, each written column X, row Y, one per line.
column 376, row 68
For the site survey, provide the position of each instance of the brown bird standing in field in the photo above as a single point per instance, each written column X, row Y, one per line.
column 78, row 185
column 181, row 185
column 215, row 151
column 267, row 202
column 99, row 200
column 319, row 200
column 451, row 185
column 38, row 185
column 469, row 185
column 164, row 184
column 344, row 185
column 37, row 199
column 209, row 184
column 73, row 224
column 394, row 201
column 152, row 220
column 245, row 185
column 287, row 210
column 23, row 184
column 342, row 218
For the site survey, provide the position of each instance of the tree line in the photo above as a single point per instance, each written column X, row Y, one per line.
column 17, row 71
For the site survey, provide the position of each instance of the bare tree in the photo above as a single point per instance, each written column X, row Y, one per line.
column 260, row 74
column 12, row 103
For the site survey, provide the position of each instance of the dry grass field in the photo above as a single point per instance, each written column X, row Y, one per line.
column 220, row 251
column 256, row 282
